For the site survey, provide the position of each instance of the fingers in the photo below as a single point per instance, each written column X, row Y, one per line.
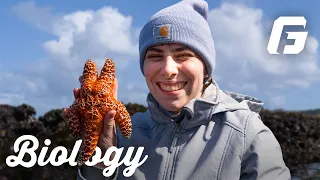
column 81, row 79
column 76, row 92
column 64, row 113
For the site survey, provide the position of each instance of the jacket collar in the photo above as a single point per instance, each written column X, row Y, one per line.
column 200, row 110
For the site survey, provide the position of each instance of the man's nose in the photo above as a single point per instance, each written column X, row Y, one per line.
column 169, row 67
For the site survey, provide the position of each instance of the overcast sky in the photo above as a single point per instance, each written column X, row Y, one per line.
column 45, row 44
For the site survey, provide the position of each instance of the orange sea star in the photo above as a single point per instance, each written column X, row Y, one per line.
column 96, row 99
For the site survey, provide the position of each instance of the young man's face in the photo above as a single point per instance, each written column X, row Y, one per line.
column 174, row 75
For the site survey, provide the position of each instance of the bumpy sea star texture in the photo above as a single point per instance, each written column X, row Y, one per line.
column 86, row 114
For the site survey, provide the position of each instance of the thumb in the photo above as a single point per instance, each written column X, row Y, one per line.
column 109, row 124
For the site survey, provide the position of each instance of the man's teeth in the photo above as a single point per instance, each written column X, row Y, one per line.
column 174, row 87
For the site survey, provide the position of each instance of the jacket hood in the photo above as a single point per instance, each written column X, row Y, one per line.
column 199, row 110
column 253, row 103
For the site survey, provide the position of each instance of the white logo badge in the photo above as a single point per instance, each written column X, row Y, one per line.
column 299, row 37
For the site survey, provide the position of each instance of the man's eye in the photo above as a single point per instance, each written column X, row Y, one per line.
column 153, row 56
column 184, row 55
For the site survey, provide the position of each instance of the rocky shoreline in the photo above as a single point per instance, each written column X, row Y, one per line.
column 299, row 136
column 297, row 132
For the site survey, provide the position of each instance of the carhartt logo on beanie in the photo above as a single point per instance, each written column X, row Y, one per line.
column 185, row 23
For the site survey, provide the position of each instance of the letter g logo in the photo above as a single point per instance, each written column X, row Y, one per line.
column 299, row 37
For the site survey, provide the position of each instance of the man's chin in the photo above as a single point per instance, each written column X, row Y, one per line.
column 172, row 106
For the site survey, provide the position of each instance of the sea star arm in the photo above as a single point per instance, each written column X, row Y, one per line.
column 90, row 76
column 92, row 130
column 123, row 119
column 74, row 119
column 105, row 84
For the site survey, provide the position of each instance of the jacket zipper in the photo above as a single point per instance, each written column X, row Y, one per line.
column 175, row 139
column 173, row 150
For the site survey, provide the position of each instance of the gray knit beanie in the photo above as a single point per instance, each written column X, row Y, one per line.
column 185, row 23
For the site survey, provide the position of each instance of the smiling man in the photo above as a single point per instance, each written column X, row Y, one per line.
column 174, row 75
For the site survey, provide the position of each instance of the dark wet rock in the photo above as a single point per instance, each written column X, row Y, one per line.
column 52, row 118
column 298, row 134
column 133, row 108
column 20, row 120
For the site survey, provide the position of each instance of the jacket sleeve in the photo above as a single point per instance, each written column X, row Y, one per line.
column 263, row 159
column 90, row 172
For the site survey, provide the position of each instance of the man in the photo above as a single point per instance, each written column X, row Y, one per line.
column 192, row 129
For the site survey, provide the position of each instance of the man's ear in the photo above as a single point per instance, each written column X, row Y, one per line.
column 207, row 80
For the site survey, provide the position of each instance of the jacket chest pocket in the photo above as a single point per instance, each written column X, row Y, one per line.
column 203, row 155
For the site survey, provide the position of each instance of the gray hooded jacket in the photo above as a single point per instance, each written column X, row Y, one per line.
column 217, row 136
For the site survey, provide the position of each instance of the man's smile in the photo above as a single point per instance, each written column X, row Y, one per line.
column 169, row 87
